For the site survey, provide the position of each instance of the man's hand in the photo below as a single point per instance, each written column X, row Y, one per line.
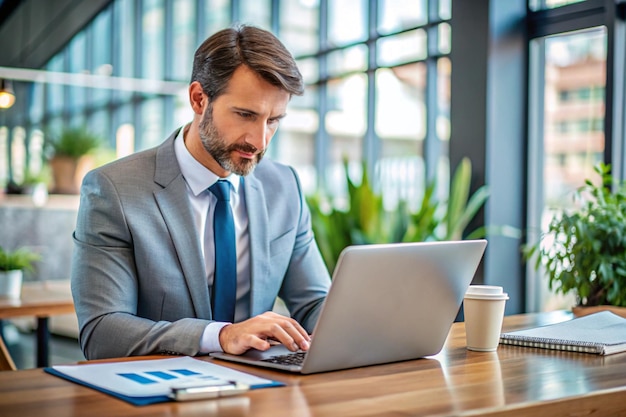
column 257, row 331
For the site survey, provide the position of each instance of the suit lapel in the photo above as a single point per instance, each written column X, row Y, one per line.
column 258, row 221
column 173, row 203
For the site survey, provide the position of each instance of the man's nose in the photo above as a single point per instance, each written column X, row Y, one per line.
column 260, row 136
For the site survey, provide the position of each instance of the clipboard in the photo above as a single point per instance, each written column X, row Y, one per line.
column 144, row 382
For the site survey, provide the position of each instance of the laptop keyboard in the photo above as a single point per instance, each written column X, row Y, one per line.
column 295, row 358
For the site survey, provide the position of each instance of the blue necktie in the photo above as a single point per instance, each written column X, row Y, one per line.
column 225, row 278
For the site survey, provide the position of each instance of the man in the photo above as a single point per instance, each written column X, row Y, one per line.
column 144, row 267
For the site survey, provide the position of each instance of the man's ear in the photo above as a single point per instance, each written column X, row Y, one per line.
column 197, row 97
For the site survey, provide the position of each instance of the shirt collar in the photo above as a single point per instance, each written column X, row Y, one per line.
column 196, row 175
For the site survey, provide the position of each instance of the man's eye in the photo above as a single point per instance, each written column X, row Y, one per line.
column 246, row 115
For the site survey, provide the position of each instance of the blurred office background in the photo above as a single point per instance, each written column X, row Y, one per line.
column 531, row 91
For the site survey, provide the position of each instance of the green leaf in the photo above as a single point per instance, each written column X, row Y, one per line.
column 73, row 142
column 19, row 259
column 584, row 250
column 365, row 219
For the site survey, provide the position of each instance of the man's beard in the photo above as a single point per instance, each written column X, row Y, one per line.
column 214, row 143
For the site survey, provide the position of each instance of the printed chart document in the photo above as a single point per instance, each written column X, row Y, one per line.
column 150, row 381
column 602, row 333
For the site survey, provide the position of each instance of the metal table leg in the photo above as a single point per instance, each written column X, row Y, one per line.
column 43, row 339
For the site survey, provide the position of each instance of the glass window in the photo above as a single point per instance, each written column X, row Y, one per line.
column 301, row 35
column 345, row 124
column 398, row 15
column 99, row 123
column 101, row 51
column 402, row 48
column 124, row 140
column 445, row 12
column 184, row 42
column 54, row 92
column 444, row 38
column 124, row 44
column 77, row 53
column 4, row 155
column 35, row 152
column 256, row 12
column 550, row 4
column 37, row 105
column 400, row 102
column 401, row 127
column 55, row 125
column 343, row 30
column 101, row 55
column 574, row 65
column 217, row 16
column 353, row 59
column 77, row 119
column 341, row 113
column 153, row 38
column 123, row 116
column 294, row 142
column 444, row 68
column 182, row 109
column 18, row 154
column 151, row 132
column 124, row 17
column 309, row 68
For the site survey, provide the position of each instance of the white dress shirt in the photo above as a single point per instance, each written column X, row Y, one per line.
column 198, row 179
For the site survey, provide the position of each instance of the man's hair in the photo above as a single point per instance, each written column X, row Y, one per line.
column 220, row 55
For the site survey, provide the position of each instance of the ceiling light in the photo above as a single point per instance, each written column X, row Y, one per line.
column 7, row 95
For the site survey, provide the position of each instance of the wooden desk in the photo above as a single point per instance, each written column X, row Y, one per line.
column 40, row 300
column 512, row 381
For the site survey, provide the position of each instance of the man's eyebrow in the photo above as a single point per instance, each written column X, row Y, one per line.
column 244, row 110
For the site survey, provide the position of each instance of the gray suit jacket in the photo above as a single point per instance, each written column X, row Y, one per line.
column 138, row 277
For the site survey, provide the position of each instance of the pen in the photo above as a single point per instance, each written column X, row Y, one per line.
column 196, row 391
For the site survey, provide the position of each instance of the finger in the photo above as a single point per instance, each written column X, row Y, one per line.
column 258, row 343
column 303, row 332
column 287, row 334
column 293, row 328
column 298, row 333
column 294, row 324
column 235, row 339
column 299, row 336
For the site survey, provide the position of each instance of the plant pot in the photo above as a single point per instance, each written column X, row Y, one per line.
column 11, row 284
column 68, row 173
column 580, row 311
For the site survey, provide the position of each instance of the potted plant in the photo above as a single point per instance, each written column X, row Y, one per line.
column 365, row 220
column 70, row 158
column 12, row 267
column 584, row 249
column 35, row 185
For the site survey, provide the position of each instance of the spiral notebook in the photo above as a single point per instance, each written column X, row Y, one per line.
column 602, row 333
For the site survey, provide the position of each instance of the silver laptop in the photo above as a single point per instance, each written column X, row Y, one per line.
column 387, row 303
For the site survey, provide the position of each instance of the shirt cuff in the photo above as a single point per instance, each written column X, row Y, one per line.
column 210, row 341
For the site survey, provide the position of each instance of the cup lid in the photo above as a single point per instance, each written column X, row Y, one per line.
column 486, row 292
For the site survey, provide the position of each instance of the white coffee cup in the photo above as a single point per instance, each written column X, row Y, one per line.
column 483, row 307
